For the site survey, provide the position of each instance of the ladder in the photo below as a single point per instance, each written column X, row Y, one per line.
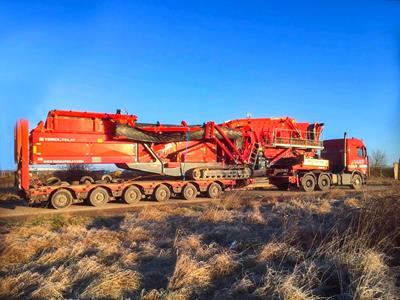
column 254, row 154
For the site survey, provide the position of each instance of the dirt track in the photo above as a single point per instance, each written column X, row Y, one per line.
column 18, row 209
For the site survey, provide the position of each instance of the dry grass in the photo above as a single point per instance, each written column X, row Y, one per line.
column 191, row 242
column 113, row 284
column 255, row 215
column 223, row 264
column 138, row 234
column 353, row 202
column 215, row 215
column 326, row 247
column 270, row 251
column 153, row 214
column 189, row 272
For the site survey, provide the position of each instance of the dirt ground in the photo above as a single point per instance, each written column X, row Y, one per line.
column 15, row 208
column 246, row 246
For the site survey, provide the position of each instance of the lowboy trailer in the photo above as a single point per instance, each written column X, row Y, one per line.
column 188, row 159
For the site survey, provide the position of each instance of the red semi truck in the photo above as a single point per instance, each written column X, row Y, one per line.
column 188, row 159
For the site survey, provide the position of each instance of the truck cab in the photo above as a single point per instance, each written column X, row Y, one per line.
column 346, row 156
column 343, row 162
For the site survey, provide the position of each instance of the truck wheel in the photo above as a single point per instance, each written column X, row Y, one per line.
column 162, row 193
column 214, row 190
column 62, row 198
column 99, row 197
column 324, row 182
column 189, row 192
column 356, row 182
column 308, row 183
column 132, row 195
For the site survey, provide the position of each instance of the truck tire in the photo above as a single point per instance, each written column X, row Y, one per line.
column 61, row 198
column 214, row 190
column 99, row 197
column 356, row 181
column 308, row 182
column 162, row 193
column 324, row 182
column 132, row 195
column 189, row 192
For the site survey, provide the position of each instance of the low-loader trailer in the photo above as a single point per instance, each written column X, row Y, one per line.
column 186, row 159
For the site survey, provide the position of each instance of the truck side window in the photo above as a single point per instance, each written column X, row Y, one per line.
column 360, row 152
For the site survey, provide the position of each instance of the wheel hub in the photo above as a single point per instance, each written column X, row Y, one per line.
column 99, row 197
column 62, row 200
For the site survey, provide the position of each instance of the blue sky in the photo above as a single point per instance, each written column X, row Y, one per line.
column 336, row 62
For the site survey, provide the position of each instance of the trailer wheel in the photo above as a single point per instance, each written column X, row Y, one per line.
column 196, row 174
column 86, row 180
column 107, row 178
column 61, row 198
column 99, row 197
column 356, row 181
column 53, row 181
column 189, row 192
column 214, row 190
column 132, row 195
column 324, row 182
column 308, row 183
column 162, row 193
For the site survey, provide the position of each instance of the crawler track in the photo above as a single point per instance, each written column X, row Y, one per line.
column 18, row 209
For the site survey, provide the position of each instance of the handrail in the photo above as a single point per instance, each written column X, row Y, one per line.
column 287, row 138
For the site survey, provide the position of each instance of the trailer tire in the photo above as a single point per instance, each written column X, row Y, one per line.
column 324, row 182
column 107, row 178
column 86, row 180
column 162, row 193
column 195, row 174
column 356, row 181
column 132, row 195
column 189, row 192
column 53, row 181
column 308, row 182
column 99, row 197
column 214, row 190
column 61, row 198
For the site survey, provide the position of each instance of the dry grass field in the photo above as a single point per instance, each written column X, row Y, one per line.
column 302, row 247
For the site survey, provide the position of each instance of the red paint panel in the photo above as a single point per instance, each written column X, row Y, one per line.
column 54, row 152
column 22, row 152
